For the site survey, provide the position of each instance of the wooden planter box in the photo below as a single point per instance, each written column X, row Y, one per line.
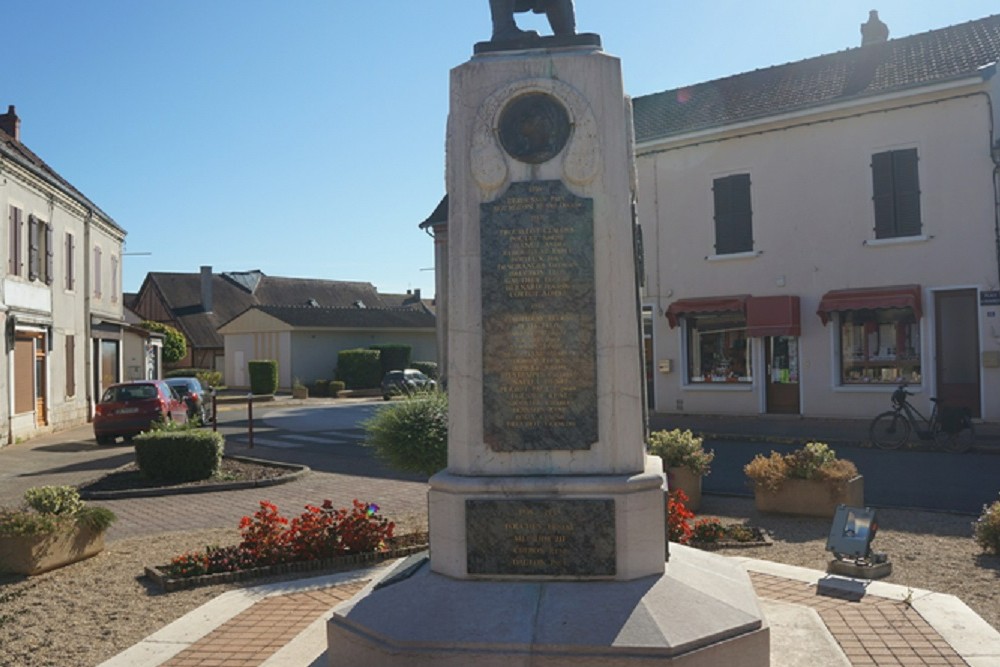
column 34, row 554
column 688, row 482
column 809, row 497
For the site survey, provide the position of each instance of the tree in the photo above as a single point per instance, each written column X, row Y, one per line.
column 174, row 344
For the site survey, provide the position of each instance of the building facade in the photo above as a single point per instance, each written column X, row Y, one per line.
column 817, row 232
column 61, row 295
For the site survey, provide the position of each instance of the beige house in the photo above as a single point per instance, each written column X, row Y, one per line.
column 306, row 340
column 61, row 306
column 819, row 231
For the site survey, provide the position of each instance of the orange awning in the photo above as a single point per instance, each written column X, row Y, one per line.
column 870, row 298
column 773, row 316
column 712, row 304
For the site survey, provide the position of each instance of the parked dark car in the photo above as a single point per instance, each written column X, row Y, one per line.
column 194, row 395
column 129, row 408
column 405, row 383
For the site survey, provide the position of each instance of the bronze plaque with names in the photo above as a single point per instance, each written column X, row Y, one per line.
column 539, row 319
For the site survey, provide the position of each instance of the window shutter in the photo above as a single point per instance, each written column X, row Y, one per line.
column 14, row 251
column 733, row 214
column 70, row 365
column 48, row 254
column 882, row 195
column 907, row 192
column 70, row 262
column 34, row 260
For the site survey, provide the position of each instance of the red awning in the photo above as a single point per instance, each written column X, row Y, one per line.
column 870, row 298
column 773, row 316
column 712, row 304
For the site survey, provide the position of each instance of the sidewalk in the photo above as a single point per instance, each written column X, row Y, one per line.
column 815, row 620
column 793, row 429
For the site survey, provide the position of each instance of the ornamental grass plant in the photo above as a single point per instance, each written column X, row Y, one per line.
column 681, row 449
column 987, row 528
column 411, row 434
column 814, row 461
column 49, row 509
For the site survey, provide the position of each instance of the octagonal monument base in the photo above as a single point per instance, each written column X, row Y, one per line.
column 702, row 612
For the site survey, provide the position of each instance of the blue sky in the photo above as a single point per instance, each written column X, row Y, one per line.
column 306, row 138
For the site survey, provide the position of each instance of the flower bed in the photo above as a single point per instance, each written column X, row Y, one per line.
column 320, row 537
column 398, row 547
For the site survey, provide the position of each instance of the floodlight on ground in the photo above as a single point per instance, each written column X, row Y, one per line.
column 850, row 541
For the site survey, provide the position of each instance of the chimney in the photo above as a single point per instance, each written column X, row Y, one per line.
column 11, row 124
column 873, row 32
column 206, row 288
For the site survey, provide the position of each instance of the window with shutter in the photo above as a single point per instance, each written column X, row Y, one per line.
column 733, row 214
column 97, row 272
column 896, row 194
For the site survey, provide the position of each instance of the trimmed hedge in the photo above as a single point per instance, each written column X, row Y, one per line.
column 393, row 357
column 182, row 455
column 411, row 434
column 428, row 368
column 208, row 378
column 359, row 369
column 263, row 376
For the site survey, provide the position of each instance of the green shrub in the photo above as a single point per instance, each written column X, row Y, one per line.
column 320, row 388
column 681, row 449
column 428, row 368
column 393, row 357
column 174, row 342
column 263, row 376
column 412, row 434
column 805, row 463
column 359, row 369
column 179, row 455
column 336, row 386
column 987, row 528
column 207, row 377
column 63, row 500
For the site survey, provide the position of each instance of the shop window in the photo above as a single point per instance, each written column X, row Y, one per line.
column 718, row 349
column 879, row 346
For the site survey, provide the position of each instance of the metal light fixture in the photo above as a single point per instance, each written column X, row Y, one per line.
column 850, row 540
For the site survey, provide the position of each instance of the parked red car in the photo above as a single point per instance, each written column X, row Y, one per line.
column 129, row 408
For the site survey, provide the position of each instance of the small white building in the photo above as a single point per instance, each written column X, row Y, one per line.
column 818, row 231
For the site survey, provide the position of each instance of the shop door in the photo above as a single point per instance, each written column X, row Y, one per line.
column 782, row 376
column 957, row 359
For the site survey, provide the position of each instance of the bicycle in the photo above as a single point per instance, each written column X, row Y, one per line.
column 950, row 426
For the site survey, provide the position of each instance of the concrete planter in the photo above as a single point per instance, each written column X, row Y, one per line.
column 300, row 392
column 688, row 482
column 809, row 497
column 34, row 554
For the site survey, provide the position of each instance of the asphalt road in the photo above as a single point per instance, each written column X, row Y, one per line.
column 330, row 439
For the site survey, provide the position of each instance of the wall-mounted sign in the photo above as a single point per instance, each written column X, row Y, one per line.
column 989, row 298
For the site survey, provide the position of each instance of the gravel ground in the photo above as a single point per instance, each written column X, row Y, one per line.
column 83, row 614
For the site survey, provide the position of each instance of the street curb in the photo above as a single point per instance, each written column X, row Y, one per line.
column 297, row 472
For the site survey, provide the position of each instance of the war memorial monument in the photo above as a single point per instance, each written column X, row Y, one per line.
column 547, row 527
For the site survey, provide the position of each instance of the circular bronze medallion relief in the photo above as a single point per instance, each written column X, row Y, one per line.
column 534, row 127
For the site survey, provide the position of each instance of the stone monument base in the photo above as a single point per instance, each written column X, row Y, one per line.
column 702, row 612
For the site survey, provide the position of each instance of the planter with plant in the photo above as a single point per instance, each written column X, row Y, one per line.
column 299, row 390
column 52, row 529
column 809, row 481
column 685, row 461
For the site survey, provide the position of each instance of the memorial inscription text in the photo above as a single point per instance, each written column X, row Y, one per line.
column 539, row 332
column 541, row 537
